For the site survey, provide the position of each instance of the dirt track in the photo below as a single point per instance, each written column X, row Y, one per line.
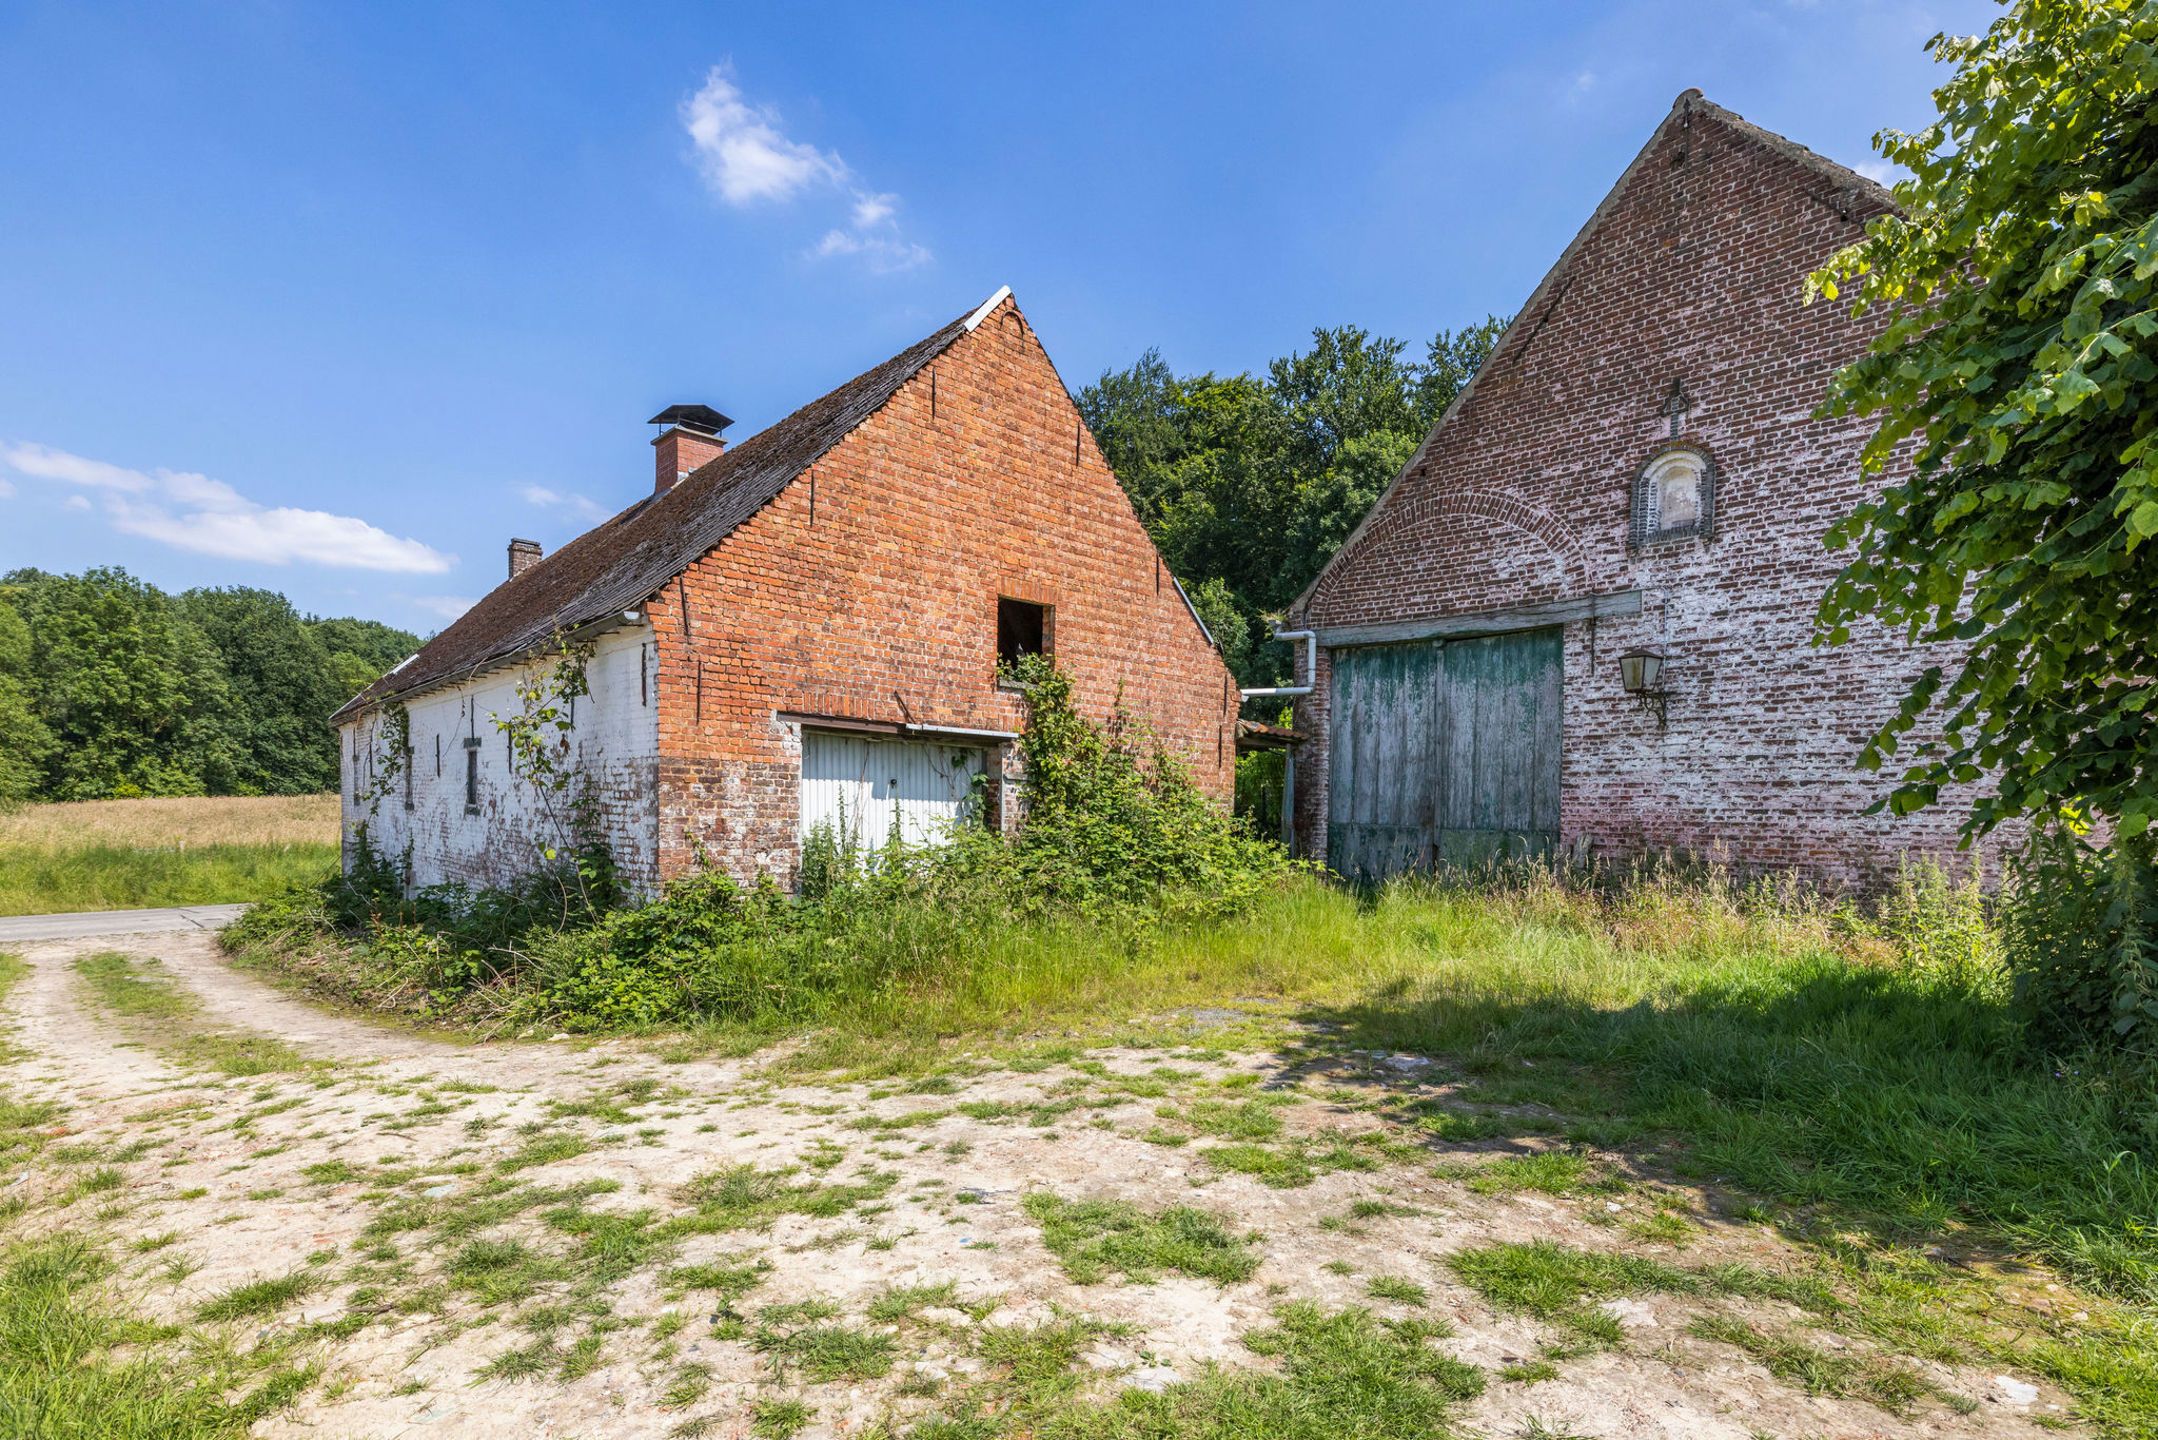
column 282, row 1173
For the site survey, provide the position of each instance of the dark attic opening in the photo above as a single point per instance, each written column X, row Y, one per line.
column 1022, row 629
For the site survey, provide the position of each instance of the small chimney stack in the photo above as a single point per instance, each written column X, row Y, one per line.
column 524, row 554
column 690, row 439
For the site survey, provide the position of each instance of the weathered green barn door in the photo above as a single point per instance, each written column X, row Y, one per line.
column 1383, row 782
column 1444, row 751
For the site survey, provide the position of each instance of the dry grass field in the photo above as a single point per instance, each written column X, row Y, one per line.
column 124, row 854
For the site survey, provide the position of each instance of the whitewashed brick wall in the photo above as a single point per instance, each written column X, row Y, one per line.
column 616, row 748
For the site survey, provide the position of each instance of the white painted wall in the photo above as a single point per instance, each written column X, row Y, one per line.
column 616, row 744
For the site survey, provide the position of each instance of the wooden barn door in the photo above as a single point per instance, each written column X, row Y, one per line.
column 1444, row 752
column 1383, row 787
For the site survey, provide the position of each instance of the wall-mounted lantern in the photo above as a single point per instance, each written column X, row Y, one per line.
column 1641, row 672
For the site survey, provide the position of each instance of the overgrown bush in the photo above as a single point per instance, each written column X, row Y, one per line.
column 1115, row 836
column 2081, row 925
column 1112, row 818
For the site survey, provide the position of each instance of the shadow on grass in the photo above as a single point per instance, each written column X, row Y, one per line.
column 1857, row 1096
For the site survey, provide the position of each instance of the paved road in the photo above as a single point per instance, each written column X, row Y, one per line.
column 116, row 922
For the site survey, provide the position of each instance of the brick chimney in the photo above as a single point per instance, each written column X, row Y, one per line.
column 691, row 438
column 524, row 554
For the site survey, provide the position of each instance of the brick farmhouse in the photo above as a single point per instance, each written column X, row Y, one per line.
column 1636, row 468
column 802, row 628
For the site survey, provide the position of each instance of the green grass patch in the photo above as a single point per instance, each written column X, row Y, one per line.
column 821, row 1353
column 1399, row 1289
column 260, row 1298
column 501, row 1271
column 731, row 1280
column 1242, row 1120
column 1549, row 1172
column 168, row 1017
column 22, row 1127
column 12, row 968
column 1291, row 1164
column 1097, row 1238
column 1555, row 1283
column 1341, row 1373
column 543, row 1150
column 902, row 1302
column 47, row 879
column 73, row 1365
column 741, row 1197
column 1887, row 1383
column 781, row 1419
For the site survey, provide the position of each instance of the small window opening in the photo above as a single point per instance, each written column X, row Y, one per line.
column 472, row 777
column 1022, row 629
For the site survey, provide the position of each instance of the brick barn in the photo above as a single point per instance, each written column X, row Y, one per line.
column 803, row 627
column 1636, row 468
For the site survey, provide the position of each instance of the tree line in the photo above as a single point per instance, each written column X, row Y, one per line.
column 109, row 688
column 1249, row 483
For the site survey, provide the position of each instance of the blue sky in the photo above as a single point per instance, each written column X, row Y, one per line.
column 335, row 299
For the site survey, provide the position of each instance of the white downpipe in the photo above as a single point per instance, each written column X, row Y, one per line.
column 1311, row 667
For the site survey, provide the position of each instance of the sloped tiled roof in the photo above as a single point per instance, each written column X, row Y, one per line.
column 618, row 564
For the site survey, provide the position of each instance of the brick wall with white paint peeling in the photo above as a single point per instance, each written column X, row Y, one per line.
column 615, row 749
column 1694, row 276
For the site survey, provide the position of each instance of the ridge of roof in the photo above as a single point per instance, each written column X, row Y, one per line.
column 1690, row 102
column 622, row 561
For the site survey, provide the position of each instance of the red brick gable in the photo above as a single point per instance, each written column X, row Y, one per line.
column 866, row 588
column 1690, row 273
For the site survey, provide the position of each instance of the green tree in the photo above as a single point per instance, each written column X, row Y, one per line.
column 1249, row 485
column 2018, row 371
column 360, row 652
column 24, row 741
column 281, row 689
column 134, row 694
column 1451, row 362
column 110, row 688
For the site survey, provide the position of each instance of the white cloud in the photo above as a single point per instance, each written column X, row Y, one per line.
column 547, row 499
column 449, row 607
column 189, row 511
column 873, row 210
column 76, row 502
column 1880, row 172
column 741, row 151
column 5, row 489
column 883, row 254
column 45, row 463
column 746, row 159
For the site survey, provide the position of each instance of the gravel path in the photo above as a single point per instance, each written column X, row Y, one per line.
column 372, row 1164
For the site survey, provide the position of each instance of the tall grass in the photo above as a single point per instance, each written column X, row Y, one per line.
column 1795, row 1060
column 125, row 854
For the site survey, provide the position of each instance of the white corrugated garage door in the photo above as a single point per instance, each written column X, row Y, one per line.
column 861, row 785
